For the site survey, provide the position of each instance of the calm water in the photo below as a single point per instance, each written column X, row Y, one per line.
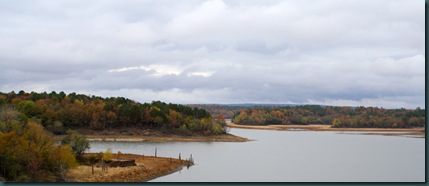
column 291, row 156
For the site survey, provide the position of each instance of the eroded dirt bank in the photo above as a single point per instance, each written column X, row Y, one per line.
column 417, row 132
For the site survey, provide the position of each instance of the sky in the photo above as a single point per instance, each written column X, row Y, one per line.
column 329, row 52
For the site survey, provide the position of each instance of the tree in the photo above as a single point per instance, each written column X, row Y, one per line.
column 220, row 119
column 92, row 160
column 8, row 114
column 107, row 158
column 174, row 119
column 9, row 120
column 77, row 142
column 108, row 155
column 56, row 127
column 2, row 100
column 62, row 159
column 336, row 123
column 27, row 107
column 218, row 129
column 32, row 155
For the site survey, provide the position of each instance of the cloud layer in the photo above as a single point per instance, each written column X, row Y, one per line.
column 339, row 52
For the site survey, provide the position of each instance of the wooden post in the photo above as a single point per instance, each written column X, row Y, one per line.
column 180, row 157
column 155, row 152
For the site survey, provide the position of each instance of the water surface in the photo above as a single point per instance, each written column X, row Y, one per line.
column 291, row 156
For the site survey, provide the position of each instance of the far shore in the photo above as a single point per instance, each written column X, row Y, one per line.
column 414, row 132
column 148, row 168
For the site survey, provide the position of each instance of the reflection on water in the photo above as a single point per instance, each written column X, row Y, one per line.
column 291, row 156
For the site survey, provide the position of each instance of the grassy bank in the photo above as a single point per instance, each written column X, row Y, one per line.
column 148, row 167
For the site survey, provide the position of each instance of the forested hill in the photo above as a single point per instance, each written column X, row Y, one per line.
column 350, row 117
column 337, row 116
column 228, row 110
column 58, row 112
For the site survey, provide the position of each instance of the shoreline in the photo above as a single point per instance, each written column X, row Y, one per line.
column 413, row 132
column 147, row 168
column 162, row 174
column 162, row 138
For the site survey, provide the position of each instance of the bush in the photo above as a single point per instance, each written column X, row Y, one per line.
column 217, row 129
column 32, row 155
column 108, row 155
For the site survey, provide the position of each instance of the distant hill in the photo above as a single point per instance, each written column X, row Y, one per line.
column 228, row 110
column 261, row 105
column 338, row 116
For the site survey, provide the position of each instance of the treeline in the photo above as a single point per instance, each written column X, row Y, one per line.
column 351, row 117
column 219, row 110
column 58, row 112
column 228, row 110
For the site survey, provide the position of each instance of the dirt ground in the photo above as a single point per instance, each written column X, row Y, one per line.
column 148, row 167
column 418, row 132
column 168, row 138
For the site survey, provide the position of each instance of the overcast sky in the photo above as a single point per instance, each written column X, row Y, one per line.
column 330, row 52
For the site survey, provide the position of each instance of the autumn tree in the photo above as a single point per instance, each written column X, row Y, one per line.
column 220, row 119
column 78, row 143
column 336, row 123
column 29, row 153
column 9, row 120
column 108, row 155
column 27, row 107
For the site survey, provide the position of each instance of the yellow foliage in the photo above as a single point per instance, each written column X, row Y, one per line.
column 217, row 129
column 32, row 154
column 155, row 108
column 174, row 118
column 78, row 102
column 64, row 156
column 108, row 155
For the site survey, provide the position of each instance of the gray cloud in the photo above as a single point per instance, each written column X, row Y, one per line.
column 350, row 52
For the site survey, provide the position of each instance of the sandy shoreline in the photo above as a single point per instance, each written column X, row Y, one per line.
column 148, row 168
column 417, row 132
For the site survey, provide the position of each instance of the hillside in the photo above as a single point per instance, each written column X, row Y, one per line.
column 58, row 112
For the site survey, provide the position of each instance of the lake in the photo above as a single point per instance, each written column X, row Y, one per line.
column 290, row 156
